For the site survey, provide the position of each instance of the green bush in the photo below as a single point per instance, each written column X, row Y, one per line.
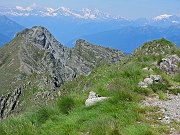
column 65, row 104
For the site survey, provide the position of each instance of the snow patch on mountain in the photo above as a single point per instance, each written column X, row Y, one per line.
column 175, row 22
column 23, row 9
column 50, row 10
column 160, row 17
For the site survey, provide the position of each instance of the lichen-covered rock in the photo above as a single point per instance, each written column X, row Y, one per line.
column 94, row 98
column 170, row 64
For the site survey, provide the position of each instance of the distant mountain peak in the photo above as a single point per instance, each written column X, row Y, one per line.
column 29, row 8
column 160, row 17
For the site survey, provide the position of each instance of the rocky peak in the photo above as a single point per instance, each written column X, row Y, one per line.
column 96, row 52
column 82, row 42
column 43, row 39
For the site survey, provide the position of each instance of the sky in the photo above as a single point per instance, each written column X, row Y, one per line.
column 131, row 9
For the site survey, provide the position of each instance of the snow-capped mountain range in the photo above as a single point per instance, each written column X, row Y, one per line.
column 67, row 24
column 85, row 13
column 36, row 10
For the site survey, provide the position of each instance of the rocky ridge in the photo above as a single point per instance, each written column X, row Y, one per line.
column 41, row 57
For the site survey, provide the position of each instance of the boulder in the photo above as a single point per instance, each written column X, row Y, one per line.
column 142, row 85
column 94, row 98
column 148, row 81
column 170, row 64
column 153, row 79
column 156, row 78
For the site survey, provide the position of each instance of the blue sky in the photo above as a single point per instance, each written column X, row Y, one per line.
column 125, row 8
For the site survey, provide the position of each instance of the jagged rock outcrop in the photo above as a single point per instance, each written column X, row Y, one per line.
column 170, row 64
column 9, row 101
column 61, row 63
column 94, row 98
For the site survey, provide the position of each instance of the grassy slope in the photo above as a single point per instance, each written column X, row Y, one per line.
column 121, row 114
column 9, row 64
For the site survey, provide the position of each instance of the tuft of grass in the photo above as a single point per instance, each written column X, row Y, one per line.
column 65, row 104
column 177, row 77
column 159, row 87
column 140, row 130
column 162, row 95
column 143, row 91
column 42, row 115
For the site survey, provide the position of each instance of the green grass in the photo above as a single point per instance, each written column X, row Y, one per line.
column 65, row 104
column 121, row 114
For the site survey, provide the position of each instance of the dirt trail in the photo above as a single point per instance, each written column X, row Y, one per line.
column 170, row 108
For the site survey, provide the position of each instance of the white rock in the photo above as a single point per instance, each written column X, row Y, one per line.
column 148, row 81
column 142, row 85
column 92, row 101
column 94, row 98
column 145, row 69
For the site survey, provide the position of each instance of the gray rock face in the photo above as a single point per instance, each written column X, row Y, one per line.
column 170, row 64
column 61, row 63
column 8, row 103
column 94, row 98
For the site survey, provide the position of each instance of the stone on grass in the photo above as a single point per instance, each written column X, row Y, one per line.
column 153, row 79
column 94, row 98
